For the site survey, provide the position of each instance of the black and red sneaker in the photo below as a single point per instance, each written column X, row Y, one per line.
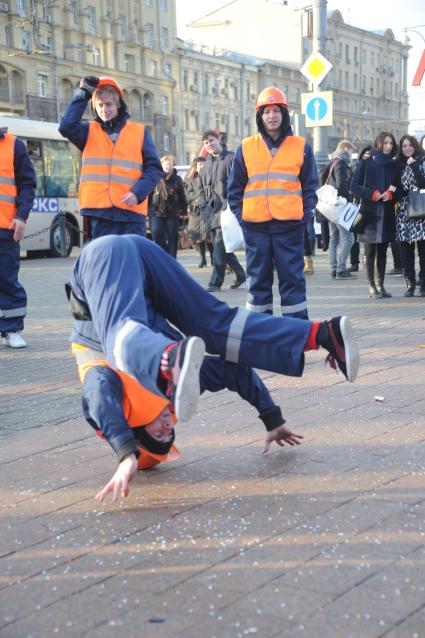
column 336, row 336
column 184, row 364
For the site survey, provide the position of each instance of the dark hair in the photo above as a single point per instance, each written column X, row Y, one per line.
column 365, row 150
column 379, row 142
column 210, row 133
column 286, row 122
column 419, row 151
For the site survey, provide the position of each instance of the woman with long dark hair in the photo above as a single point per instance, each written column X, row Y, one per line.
column 197, row 227
column 375, row 183
column 410, row 231
column 168, row 204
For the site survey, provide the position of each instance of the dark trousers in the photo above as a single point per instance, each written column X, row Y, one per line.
column 124, row 279
column 355, row 252
column 100, row 227
column 165, row 233
column 221, row 259
column 13, row 298
column 376, row 253
column 396, row 252
column 408, row 259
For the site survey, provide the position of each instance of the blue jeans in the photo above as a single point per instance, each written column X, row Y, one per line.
column 339, row 237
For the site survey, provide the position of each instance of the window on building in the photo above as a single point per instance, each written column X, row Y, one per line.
column 186, row 119
column 347, row 81
column 340, row 79
column 356, row 55
column 149, row 35
column 185, row 80
column 122, row 27
column 164, row 105
column 217, row 120
column 26, row 41
column 297, row 95
column 21, row 7
column 166, row 142
column 91, row 19
column 347, row 54
column 154, row 69
column 42, row 80
column 9, row 36
column 236, row 125
column 164, row 38
column 340, row 49
column 196, row 120
column 372, row 60
column 235, row 90
column 128, row 63
column 168, row 69
column 363, row 84
column 162, row 5
column 148, row 3
column 96, row 56
column 195, row 81
column 206, row 84
column 364, row 54
column 371, row 86
column 355, row 87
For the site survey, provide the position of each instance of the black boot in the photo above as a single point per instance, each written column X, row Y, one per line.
column 380, row 288
column 373, row 291
column 203, row 261
column 370, row 270
column 411, row 285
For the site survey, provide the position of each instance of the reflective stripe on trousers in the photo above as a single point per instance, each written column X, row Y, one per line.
column 12, row 312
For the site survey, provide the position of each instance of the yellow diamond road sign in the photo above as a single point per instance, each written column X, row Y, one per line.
column 315, row 68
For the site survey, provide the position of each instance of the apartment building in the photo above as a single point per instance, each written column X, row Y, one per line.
column 46, row 46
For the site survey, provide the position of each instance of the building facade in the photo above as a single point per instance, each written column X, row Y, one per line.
column 46, row 46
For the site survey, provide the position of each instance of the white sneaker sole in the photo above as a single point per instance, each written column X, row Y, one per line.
column 5, row 342
column 352, row 356
column 188, row 387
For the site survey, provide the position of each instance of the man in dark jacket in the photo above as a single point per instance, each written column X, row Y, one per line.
column 114, row 184
column 339, row 175
column 17, row 191
column 212, row 199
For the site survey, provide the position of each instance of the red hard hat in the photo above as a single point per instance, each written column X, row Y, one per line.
column 147, row 460
column 271, row 95
column 107, row 81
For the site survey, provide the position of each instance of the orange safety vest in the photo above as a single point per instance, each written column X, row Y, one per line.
column 8, row 189
column 109, row 169
column 140, row 406
column 273, row 190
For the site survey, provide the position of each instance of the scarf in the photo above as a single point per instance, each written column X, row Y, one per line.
column 382, row 159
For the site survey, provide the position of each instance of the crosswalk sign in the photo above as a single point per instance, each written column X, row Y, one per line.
column 317, row 108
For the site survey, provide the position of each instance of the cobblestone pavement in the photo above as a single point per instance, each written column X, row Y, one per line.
column 324, row 541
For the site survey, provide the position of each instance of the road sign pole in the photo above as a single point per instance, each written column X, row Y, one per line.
column 320, row 133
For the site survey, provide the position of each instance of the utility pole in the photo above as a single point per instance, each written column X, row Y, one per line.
column 320, row 27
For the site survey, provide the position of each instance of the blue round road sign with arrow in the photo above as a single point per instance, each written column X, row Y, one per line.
column 317, row 109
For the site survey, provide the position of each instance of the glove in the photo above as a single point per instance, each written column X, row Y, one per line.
column 376, row 196
column 88, row 85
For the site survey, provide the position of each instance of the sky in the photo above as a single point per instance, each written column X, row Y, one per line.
column 366, row 14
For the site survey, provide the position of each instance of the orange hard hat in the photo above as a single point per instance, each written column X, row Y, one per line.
column 107, row 81
column 148, row 460
column 271, row 95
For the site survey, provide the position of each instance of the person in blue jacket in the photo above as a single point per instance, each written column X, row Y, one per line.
column 272, row 191
column 17, row 191
column 127, row 212
column 123, row 317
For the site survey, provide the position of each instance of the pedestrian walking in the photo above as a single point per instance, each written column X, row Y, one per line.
column 212, row 199
column 169, row 205
column 375, row 183
column 411, row 232
column 128, row 314
column 120, row 164
column 197, row 227
column 365, row 154
column 272, row 192
column 17, row 190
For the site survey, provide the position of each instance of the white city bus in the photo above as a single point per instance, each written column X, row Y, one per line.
column 54, row 225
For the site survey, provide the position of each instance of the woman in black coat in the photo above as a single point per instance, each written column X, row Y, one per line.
column 375, row 183
column 168, row 204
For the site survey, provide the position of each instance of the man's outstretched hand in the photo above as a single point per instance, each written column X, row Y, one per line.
column 281, row 435
column 119, row 483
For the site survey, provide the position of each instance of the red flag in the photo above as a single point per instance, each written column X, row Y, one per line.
column 419, row 71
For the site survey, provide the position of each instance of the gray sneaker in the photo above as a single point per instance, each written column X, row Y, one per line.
column 345, row 274
column 184, row 363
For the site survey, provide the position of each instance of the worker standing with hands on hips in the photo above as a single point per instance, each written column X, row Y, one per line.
column 17, row 191
column 120, row 164
column 272, row 191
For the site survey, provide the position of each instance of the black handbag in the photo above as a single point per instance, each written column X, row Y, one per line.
column 416, row 205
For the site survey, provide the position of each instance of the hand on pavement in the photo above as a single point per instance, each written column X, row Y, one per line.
column 119, row 483
column 281, row 435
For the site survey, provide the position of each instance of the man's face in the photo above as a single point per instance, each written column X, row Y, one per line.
column 272, row 118
column 212, row 145
column 161, row 428
column 106, row 107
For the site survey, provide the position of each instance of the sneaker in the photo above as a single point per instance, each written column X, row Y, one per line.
column 333, row 274
column 13, row 340
column 354, row 268
column 395, row 271
column 213, row 289
column 237, row 283
column 345, row 274
column 184, row 364
column 336, row 336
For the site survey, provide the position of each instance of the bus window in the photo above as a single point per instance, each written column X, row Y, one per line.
column 35, row 152
column 61, row 169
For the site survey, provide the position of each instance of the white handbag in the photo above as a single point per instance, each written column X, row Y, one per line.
column 232, row 231
column 329, row 203
column 349, row 215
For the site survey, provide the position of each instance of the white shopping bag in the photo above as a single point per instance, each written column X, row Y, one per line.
column 232, row 231
column 349, row 216
column 330, row 204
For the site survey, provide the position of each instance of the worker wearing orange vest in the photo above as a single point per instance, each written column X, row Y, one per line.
column 272, row 191
column 17, row 191
column 120, row 165
column 124, row 294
